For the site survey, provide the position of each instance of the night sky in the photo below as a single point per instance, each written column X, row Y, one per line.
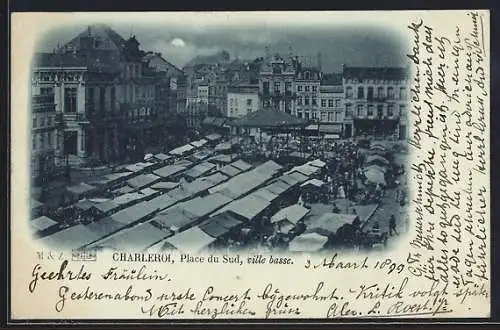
column 355, row 45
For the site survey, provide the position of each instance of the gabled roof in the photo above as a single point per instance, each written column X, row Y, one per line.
column 107, row 37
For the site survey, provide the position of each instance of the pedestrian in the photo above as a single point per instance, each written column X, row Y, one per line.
column 392, row 225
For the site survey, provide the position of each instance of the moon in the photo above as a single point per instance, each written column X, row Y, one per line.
column 177, row 42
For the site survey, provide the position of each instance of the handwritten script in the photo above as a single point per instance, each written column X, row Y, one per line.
column 450, row 246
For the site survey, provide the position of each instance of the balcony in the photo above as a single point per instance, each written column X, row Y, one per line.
column 75, row 117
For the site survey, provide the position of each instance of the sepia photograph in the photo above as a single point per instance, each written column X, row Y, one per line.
column 283, row 138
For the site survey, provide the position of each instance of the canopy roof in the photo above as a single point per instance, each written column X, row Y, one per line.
column 140, row 236
column 221, row 224
column 191, row 240
column 199, row 143
column 376, row 159
column 80, row 188
column 42, row 223
column 269, row 118
column 165, row 185
column 169, row 170
column 162, row 156
column 293, row 213
column 308, row 242
column 35, row 204
column 175, row 218
column 73, row 237
column 143, row 180
column 331, row 222
column 181, row 150
column 375, row 176
column 314, row 182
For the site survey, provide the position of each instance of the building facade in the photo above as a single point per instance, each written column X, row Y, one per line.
column 277, row 84
column 242, row 100
column 44, row 134
column 108, row 96
column 376, row 101
column 307, row 86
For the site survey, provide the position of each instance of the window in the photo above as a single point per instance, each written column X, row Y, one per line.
column 46, row 90
column 277, row 87
column 370, row 93
column 91, row 98
column 380, row 110
column 331, row 116
column 34, row 122
column 42, row 140
column 323, row 103
column 337, row 103
column 265, row 87
column 42, row 121
column 370, row 110
column 360, row 110
column 330, row 103
column 324, row 116
column 49, row 139
column 390, row 93
column 307, row 88
column 102, row 99
column 380, row 92
column 277, row 104
column 348, row 93
column 306, row 115
column 361, row 92
column 113, row 99
column 249, row 102
column 299, row 88
column 33, row 141
column 299, row 100
column 299, row 114
column 402, row 110
column 314, row 115
column 390, row 110
column 315, row 88
column 49, row 121
column 337, row 116
column 402, row 93
column 288, row 86
column 314, row 101
column 288, row 107
column 249, row 110
column 70, row 100
column 306, row 100
column 348, row 110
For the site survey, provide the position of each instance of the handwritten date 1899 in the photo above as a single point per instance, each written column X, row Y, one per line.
column 333, row 263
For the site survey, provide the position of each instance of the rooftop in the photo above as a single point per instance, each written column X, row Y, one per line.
column 387, row 73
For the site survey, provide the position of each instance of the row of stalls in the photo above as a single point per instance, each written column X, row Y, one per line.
column 266, row 207
column 112, row 220
column 127, row 185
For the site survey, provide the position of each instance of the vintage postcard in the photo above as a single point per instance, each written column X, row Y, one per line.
column 250, row 166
